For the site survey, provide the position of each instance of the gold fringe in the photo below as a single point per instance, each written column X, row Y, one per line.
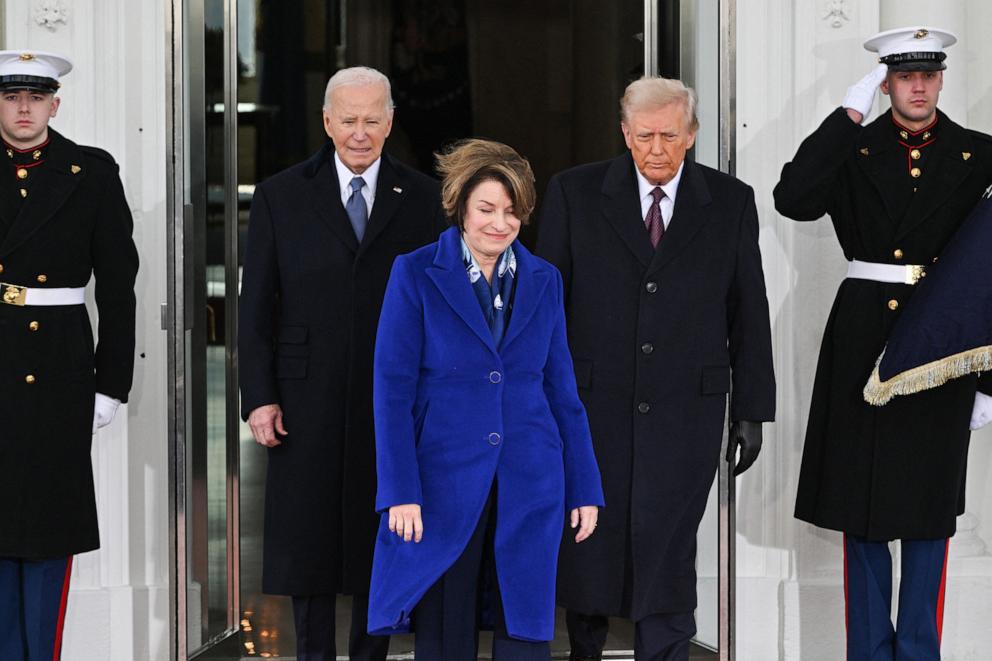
column 926, row 376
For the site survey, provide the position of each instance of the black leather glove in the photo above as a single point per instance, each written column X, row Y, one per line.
column 745, row 435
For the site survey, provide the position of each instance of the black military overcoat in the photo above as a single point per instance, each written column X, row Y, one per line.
column 659, row 339
column 74, row 223
column 897, row 471
column 309, row 309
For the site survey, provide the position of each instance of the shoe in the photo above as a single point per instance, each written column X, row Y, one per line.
column 576, row 657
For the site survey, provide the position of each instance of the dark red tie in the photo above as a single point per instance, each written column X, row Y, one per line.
column 653, row 221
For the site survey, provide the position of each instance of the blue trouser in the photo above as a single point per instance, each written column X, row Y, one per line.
column 868, row 598
column 33, row 596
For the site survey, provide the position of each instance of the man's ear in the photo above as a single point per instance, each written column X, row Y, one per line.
column 885, row 86
column 56, row 101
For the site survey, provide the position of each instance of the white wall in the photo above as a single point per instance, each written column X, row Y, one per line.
column 115, row 99
column 794, row 63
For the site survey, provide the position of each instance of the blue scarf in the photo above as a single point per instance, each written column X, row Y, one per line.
column 494, row 299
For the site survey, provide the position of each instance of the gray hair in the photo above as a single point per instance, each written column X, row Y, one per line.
column 653, row 92
column 357, row 76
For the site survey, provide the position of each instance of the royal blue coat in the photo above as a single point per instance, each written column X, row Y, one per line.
column 453, row 413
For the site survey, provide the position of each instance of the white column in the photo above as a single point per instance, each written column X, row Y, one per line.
column 114, row 98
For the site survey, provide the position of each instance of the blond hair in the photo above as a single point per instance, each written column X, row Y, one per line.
column 466, row 164
column 653, row 92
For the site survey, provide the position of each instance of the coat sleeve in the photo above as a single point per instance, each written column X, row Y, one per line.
column 395, row 379
column 807, row 186
column 583, row 485
column 115, row 267
column 753, row 394
column 257, row 310
column 553, row 236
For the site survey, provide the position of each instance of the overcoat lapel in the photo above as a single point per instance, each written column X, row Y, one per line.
column 58, row 181
column 876, row 140
column 689, row 216
column 389, row 192
column 326, row 196
column 947, row 169
column 530, row 284
column 622, row 209
column 448, row 275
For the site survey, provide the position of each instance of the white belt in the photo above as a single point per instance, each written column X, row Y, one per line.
column 907, row 274
column 17, row 295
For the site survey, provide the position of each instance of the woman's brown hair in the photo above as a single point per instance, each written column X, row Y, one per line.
column 466, row 164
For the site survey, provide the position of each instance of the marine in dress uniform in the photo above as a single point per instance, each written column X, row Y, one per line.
column 896, row 191
column 63, row 219
column 321, row 242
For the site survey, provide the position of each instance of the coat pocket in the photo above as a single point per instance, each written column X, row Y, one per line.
column 716, row 380
column 583, row 373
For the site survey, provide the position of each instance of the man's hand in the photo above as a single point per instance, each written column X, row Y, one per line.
column 746, row 436
column 861, row 95
column 265, row 422
column 585, row 519
column 405, row 521
column 104, row 409
column 981, row 412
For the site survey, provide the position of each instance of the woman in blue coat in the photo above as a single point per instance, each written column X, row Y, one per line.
column 482, row 443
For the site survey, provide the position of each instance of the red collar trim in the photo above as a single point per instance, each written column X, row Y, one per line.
column 29, row 149
column 914, row 133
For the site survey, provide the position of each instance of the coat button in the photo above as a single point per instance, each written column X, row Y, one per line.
column 42, row 278
column 29, row 379
column 647, row 348
column 897, row 253
column 22, row 173
column 915, row 154
column 494, row 439
column 915, row 173
column 495, row 377
column 652, row 287
column 1, row 268
column 893, row 304
column 643, row 407
column 34, row 325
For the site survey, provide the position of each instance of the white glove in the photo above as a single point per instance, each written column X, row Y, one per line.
column 981, row 414
column 861, row 94
column 104, row 409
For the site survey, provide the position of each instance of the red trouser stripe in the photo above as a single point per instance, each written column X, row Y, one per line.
column 57, row 653
column 940, row 595
column 846, row 615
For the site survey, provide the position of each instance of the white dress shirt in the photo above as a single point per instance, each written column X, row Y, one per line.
column 667, row 203
column 371, row 177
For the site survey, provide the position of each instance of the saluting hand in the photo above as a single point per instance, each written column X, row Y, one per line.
column 265, row 422
column 585, row 518
column 405, row 521
column 861, row 95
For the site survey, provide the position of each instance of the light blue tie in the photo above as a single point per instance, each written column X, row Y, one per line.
column 358, row 213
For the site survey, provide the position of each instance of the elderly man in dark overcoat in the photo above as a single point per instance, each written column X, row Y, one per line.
column 321, row 242
column 667, row 315
column 896, row 191
column 63, row 219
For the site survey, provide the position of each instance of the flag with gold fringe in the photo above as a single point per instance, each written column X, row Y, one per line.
column 945, row 330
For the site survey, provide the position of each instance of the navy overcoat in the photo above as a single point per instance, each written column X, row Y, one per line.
column 453, row 413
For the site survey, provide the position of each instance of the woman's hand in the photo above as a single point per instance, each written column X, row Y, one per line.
column 585, row 518
column 405, row 521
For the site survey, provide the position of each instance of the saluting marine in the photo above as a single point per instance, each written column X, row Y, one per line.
column 63, row 218
column 896, row 191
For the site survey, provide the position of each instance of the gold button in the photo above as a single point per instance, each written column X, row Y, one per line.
column 916, row 172
column 1, row 268
column 893, row 304
column 10, row 153
column 915, row 154
column 24, row 193
column 22, row 173
column 29, row 379
column 897, row 253
column 926, row 136
column 42, row 278
column 34, row 325
column 904, row 135
column 36, row 155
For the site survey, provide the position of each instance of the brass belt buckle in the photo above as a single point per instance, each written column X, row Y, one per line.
column 14, row 295
column 914, row 273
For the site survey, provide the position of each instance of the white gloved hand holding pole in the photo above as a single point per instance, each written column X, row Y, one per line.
column 861, row 95
column 981, row 413
column 104, row 409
